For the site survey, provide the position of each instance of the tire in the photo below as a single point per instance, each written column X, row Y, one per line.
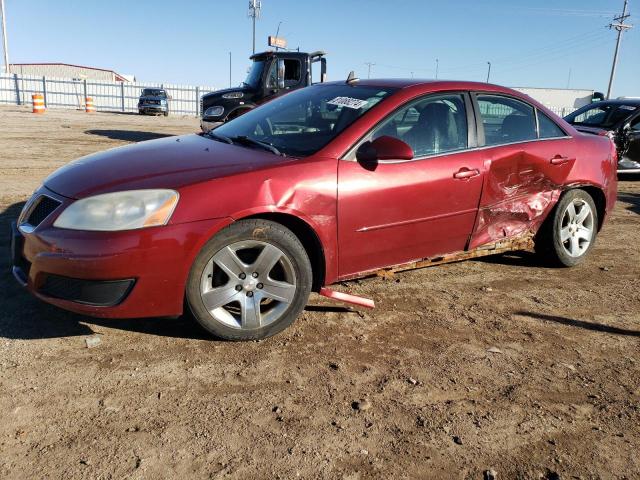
column 250, row 281
column 166, row 114
column 569, row 232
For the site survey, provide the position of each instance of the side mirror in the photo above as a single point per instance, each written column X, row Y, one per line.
column 384, row 148
column 280, row 73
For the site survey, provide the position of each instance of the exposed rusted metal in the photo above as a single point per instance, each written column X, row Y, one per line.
column 520, row 242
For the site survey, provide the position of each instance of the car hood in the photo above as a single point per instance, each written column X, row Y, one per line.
column 219, row 93
column 171, row 162
column 151, row 97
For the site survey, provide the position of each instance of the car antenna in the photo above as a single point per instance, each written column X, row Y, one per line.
column 351, row 79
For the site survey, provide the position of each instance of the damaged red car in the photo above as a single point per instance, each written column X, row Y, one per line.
column 327, row 183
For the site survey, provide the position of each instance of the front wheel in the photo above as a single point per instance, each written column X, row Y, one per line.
column 570, row 232
column 250, row 281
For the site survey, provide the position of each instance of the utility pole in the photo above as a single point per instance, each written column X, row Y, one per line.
column 620, row 26
column 4, row 37
column 488, row 71
column 254, row 13
column 569, row 78
column 229, row 69
column 369, row 64
column 437, row 62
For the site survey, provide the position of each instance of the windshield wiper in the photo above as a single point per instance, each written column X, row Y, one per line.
column 244, row 140
column 219, row 138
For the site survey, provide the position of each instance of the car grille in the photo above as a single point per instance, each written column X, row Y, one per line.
column 40, row 209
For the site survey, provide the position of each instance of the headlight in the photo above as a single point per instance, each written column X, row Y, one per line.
column 214, row 111
column 119, row 211
column 233, row 95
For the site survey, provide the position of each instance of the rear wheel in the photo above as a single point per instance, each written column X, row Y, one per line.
column 250, row 281
column 570, row 232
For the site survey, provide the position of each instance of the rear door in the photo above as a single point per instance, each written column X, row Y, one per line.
column 527, row 158
column 399, row 211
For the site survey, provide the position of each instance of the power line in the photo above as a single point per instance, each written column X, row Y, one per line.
column 620, row 26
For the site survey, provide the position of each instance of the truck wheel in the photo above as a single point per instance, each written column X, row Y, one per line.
column 166, row 114
column 570, row 231
column 250, row 281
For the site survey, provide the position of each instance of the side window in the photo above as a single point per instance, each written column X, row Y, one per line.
column 635, row 124
column 547, row 128
column 272, row 78
column 433, row 125
column 291, row 72
column 506, row 120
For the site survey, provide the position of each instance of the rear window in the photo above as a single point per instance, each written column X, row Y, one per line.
column 547, row 128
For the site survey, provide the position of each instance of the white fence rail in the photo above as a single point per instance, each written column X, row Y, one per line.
column 70, row 93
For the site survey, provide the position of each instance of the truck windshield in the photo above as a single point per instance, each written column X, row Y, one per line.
column 153, row 92
column 302, row 122
column 255, row 74
column 602, row 116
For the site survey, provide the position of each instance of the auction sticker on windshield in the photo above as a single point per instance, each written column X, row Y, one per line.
column 348, row 102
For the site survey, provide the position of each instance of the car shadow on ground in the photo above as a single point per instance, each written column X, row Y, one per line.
column 128, row 135
column 514, row 259
column 596, row 327
column 633, row 199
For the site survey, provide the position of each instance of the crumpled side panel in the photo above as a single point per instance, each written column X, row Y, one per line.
column 517, row 197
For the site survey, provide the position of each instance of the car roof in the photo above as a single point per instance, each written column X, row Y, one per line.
column 431, row 84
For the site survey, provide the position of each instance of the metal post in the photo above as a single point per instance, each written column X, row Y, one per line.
column 229, row 69
column 620, row 27
column 437, row 65
column 488, row 71
column 15, row 80
column 197, row 101
column 44, row 91
column 4, row 38
column 85, row 92
column 122, row 94
column 278, row 32
column 369, row 65
column 254, row 13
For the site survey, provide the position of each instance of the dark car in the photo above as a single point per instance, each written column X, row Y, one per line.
column 153, row 100
column 619, row 119
column 324, row 184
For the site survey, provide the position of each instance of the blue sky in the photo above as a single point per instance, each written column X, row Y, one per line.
column 532, row 43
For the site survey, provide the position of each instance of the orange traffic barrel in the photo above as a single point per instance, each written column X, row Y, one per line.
column 89, row 106
column 38, row 102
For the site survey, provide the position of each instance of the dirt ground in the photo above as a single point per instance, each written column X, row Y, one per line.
column 490, row 364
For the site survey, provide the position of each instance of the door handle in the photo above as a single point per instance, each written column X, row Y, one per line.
column 559, row 160
column 464, row 173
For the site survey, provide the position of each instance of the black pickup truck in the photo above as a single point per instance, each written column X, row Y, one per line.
column 271, row 74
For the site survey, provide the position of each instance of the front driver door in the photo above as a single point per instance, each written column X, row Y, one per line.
column 399, row 211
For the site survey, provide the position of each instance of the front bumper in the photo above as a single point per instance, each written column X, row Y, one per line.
column 207, row 125
column 147, row 108
column 130, row 274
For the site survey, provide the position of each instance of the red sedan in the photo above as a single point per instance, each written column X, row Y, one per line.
column 327, row 183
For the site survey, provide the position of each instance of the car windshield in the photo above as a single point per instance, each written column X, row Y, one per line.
column 603, row 116
column 153, row 92
column 302, row 122
column 254, row 75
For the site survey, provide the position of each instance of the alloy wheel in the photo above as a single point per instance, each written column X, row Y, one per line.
column 248, row 284
column 577, row 226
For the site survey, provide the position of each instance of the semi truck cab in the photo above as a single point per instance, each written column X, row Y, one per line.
column 271, row 74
